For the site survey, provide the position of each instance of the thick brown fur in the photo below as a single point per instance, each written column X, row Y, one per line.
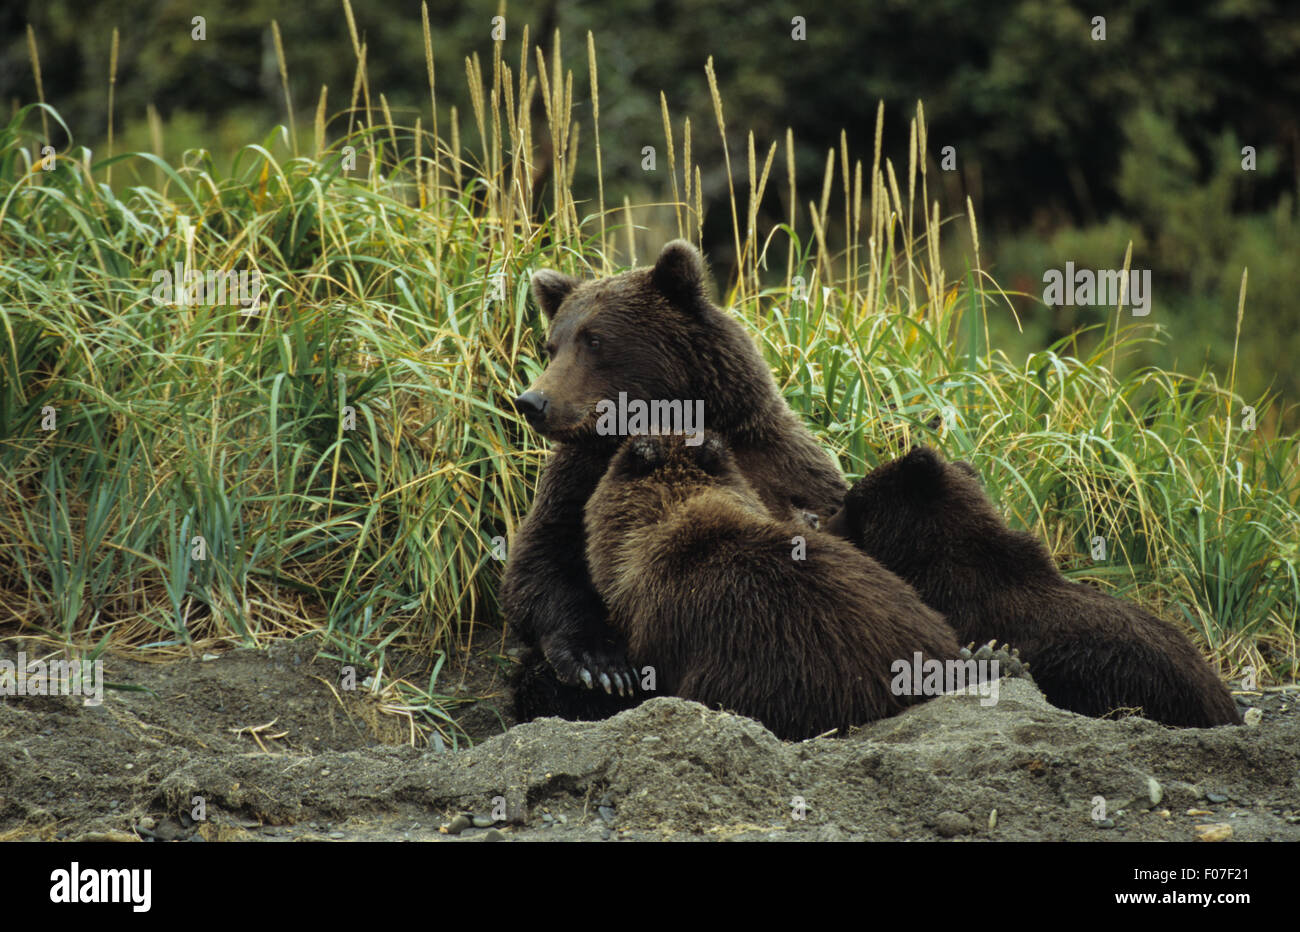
column 704, row 585
column 655, row 335
column 932, row 523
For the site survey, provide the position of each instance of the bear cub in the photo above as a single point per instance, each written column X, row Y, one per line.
column 702, row 582
column 931, row 522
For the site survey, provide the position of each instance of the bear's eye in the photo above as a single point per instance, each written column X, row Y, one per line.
column 593, row 341
column 549, row 350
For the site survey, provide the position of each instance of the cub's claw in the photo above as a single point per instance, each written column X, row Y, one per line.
column 1010, row 666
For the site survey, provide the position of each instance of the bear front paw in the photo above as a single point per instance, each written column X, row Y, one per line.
column 594, row 666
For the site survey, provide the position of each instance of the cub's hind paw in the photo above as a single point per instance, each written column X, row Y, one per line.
column 1010, row 666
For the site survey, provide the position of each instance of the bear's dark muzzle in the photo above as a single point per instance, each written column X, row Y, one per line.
column 533, row 406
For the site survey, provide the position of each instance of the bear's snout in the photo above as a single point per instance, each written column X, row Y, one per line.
column 532, row 405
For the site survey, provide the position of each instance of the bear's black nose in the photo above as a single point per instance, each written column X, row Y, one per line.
column 532, row 405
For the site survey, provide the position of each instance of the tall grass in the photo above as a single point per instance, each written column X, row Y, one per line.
column 396, row 260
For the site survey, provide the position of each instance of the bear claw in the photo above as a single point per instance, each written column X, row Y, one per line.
column 1010, row 666
column 599, row 667
column 623, row 683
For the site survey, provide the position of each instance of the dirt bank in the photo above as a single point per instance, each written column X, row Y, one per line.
column 275, row 753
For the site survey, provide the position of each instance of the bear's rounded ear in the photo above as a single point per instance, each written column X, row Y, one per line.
column 922, row 472
column 643, row 455
column 550, row 288
column 679, row 275
column 711, row 455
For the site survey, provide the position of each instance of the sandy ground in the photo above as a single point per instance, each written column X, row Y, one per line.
column 276, row 754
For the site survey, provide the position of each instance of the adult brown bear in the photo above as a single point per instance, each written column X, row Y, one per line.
column 646, row 336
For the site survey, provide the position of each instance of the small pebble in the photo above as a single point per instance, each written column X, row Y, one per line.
column 1217, row 797
column 1253, row 717
column 494, row 834
column 482, row 822
column 1214, row 831
column 606, row 813
column 949, row 824
column 457, row 825
column 1155, row 792
column 1105, row 823
column 337, row 835
column 993, row 819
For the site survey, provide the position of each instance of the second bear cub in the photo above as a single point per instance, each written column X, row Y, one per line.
column 712, row 591
column 931, row 522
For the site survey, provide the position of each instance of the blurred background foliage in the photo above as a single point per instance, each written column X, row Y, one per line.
column 1069, row 147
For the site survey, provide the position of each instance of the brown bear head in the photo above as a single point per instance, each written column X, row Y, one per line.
column 651, row 334
column 673, row 469
column 673, row 460
column 649, row 477
column 925, row 519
